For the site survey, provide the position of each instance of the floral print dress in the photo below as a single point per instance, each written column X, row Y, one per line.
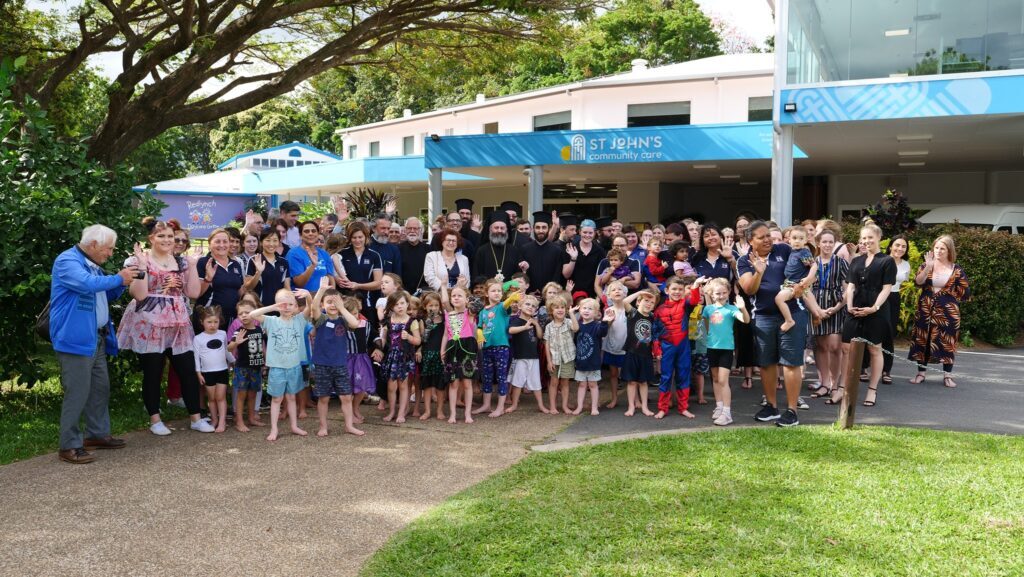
column 937, row 322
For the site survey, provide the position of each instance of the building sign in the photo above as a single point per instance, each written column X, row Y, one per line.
column 201, row 214
column 741, row 141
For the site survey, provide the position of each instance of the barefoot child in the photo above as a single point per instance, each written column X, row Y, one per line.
column 415, row 394
column 432, row 381
column 459, row 349
column 720, row 316
column 561, row 350
column 526, row 333
column 285, row 353
column 614, row 354
column 800, row 274
column 495, row 356
column 402, row 337
column 390, row 283
column 638, row 366
column 212, row 360
column 330, row 355
column 672, row 345
column 248, row 345
column 592, row 331
column 360, row 367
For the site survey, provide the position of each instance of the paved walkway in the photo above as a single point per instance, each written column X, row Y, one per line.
column 989, row 398
column 233, row 504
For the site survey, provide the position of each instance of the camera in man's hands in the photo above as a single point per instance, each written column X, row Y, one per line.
column 140, row 274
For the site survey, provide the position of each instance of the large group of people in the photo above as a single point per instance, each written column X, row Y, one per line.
column 367, row 310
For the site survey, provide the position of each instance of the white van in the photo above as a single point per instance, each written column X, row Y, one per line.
column 997, row 217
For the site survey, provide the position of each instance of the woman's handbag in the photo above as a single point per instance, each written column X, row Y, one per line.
column 42, row 324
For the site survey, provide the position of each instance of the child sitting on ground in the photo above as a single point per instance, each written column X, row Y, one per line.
column 285, row 353
column 800, row 274
column 525, row 332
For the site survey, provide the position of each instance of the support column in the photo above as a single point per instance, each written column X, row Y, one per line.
column 782, row 176
column 991, row 187
column 534, row 189
column 434, row 198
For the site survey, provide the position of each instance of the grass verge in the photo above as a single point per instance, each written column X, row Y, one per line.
column 30, row 418
column 809, row 501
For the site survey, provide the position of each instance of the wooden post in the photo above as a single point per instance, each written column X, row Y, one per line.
column 851, row 379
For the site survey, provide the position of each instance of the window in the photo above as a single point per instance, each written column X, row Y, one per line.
column 375, row 149
column 759, row 108
column 273, row 163
column 553, row 121
column 658, row 114
column 290, row 163
column 491, row 128
column 295, row 153
column 351, row 151
column 408, row 145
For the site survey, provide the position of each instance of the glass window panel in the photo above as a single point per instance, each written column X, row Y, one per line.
column 553, row 121
column 374, row 149
column 408, row 145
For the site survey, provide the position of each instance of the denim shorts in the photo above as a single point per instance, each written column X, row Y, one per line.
column 774, row 347
column 282, row 382
column 593, row 376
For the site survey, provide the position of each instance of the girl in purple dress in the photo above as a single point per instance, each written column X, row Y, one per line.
column 402, row 338
column 360, row 367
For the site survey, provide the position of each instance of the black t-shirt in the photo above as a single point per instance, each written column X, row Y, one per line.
column 250, row 352
column 224, row 290
column 546, row 262
column 869, row 280
column 639, row 332
column 272, row 279
column 524, row 344
column 586, row 268
column 412, row 264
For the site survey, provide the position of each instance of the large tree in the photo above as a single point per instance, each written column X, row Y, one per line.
column 257, row 49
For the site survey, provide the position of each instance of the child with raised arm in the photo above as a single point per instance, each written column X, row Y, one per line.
column 720, row 316
column 800, row 274
column 360, row 365
column 330, row 355
column 614, row 354
column 212, row 360
column 526, row 333
column 402, row 337
column 672, row 344
column 285, row 353
column 638, row 365
column 592, row 330
column 459, row 348
column 432, row 381
column 248, row 344
column 560, row 350
column 496, row 356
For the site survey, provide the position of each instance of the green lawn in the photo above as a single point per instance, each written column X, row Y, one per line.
column 741, row 502
column 30, row 418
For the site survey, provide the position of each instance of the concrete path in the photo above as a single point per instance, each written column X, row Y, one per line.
column 989, row 398
column 233, row 504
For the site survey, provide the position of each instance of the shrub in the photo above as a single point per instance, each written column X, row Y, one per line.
column 49, row 192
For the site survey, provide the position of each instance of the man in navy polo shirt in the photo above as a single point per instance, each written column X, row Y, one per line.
column 762, row 272
column 380, row 243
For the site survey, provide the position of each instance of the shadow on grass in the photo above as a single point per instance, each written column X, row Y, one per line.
column 812, row 501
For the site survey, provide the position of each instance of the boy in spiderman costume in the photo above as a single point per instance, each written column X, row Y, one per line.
column 671, row 343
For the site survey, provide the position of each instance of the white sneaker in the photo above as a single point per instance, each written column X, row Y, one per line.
column 180, row 403
column 202, row 425
column 723, row 419
column 716, row 413
column 159, row 428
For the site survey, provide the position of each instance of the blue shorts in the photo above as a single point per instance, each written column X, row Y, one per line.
column 774, row 347
column 331, row 381
column 613, row 360
column 699, row 363
column 638, row 369
column 282, row 382
column 247, row 378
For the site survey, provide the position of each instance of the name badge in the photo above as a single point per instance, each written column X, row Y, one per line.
column 329, row 325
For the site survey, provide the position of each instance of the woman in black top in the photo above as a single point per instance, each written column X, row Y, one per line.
column 581, row 261
column 868, row 284
column 221, row 278
column 267, row 271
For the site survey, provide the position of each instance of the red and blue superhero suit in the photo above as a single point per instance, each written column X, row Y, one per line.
column 671, row 342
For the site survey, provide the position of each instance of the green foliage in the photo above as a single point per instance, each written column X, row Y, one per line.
column 369, row 201
column 893, row 214
column 49, row 192
column 313, row 210
column 271, row 124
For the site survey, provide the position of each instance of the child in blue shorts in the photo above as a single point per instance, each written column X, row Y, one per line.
column 285, row 353
column 248, row 344
column 330, row 356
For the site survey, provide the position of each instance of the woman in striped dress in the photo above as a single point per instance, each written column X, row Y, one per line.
column 828, row 292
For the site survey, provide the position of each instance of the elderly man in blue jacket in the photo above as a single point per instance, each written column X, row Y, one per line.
column 83, row 335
